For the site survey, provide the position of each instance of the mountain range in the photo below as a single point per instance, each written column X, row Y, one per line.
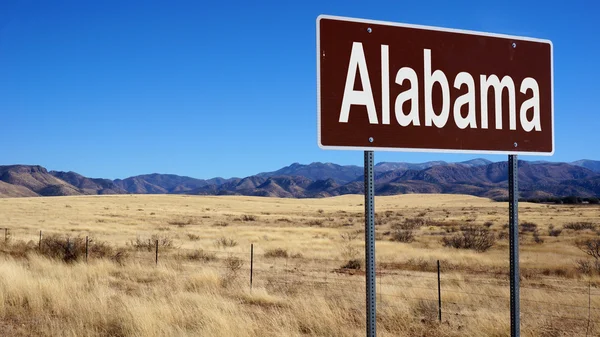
column 477, row 177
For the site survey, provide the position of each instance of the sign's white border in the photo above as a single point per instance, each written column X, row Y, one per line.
column 449, row 30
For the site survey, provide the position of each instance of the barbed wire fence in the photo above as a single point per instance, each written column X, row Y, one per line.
column 447, row 297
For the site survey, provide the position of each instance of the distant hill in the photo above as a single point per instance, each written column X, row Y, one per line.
column 159, row 183
column 386, row 166
column 477, row 177
column 593, row 165
column 89, row 185
column 36, row 179
column 319, row 171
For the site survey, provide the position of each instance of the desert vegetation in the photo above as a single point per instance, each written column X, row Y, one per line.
column 307, row 266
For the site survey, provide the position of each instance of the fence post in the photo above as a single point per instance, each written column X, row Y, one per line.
column 86, row 249
column 5, row 234
column 40, row 242
column 156, row 252
column 251, row 263
column 439, row 292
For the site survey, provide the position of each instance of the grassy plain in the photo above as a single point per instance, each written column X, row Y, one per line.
column 200, row 286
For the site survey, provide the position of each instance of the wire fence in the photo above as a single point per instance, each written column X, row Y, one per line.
column 450, row 297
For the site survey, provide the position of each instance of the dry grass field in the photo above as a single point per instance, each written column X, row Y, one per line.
column 307, row 268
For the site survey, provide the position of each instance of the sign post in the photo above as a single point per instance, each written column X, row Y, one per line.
column 399, row 87
column 513, row 241
column 371, row 301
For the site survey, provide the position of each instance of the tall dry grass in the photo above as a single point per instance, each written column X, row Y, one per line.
column 201, row 288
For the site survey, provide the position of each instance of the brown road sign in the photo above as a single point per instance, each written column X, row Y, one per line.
column 398, row 87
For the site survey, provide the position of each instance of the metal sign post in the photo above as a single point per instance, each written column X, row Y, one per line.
column 513, row 220
column 370, row 244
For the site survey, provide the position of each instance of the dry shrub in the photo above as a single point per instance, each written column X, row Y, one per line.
column 316, row 223
column 18, row 249
column 554, row 232
column 349, row 250
column 588, row 267
column 536, row 237
column 476, row 238
column 246, row 217
column 164, row 241
column 71, row 249
column 353, row 264
column 193, row 237
column 410, row 224
column 579, row 226
column 201, row 255
column 224, row 242
column 232, row 265
column 405, row 236
column 420, row 264
column 276, row 253
column 590, row 246
column 528, row 227
column 426, row 310
column 121, row 256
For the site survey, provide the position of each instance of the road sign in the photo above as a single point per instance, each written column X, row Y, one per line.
column 399, row 87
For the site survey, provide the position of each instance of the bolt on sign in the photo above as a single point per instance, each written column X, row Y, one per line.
column 391, row 86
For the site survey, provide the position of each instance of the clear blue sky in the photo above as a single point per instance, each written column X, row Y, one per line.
column 221, row 88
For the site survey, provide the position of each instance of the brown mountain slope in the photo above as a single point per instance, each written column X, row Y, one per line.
column 89, row 185
column 8, row 191
column 36, row 179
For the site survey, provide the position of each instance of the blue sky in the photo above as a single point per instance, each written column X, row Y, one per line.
column 119, row 88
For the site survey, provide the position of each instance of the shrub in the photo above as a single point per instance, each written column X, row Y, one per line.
column 426, row 310
column 317, row 223
column 471, row 237
column 554, row 232
column 488, row 224
column 201, row 255
column 581, row 225
column 352, row 264
column 233, row 264
column 193, row 237
column 401, row 235
column 590, row 246
column 588, row 267
column 71, row 249
column 249, row 218
column 164, row 241
column 224, row 242
column 410, row 224
column 349, row 250
column 120, row 256
column 537, row 238
column 528, row 227
column 141, row 244
column 276, row 253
